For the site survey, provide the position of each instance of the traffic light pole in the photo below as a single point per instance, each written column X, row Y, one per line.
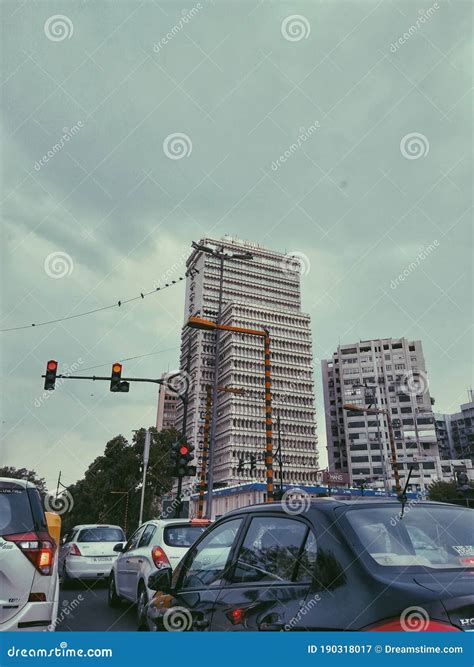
column 184, row 425
column 205, row 452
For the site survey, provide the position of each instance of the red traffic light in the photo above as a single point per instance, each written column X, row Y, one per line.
column 50, row 376
column 117, row 368
column 183, row 450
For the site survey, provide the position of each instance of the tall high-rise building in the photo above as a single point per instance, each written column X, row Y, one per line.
column 167, row 402
column 394, row 373
column 262, row 293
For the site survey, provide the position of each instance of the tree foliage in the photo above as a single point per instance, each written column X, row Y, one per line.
column 111, row 487
column 450, row 492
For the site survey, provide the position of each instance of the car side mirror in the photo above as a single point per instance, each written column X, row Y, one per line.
column 160, row 580
column 118, row 547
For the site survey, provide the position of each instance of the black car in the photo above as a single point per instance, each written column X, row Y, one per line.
column 337, row 565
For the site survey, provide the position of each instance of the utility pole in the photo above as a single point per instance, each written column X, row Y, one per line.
column 215, row 384
column 221, row 256
column 146, row 456
column 279, row 455
column 205, row 452
column 184, row 424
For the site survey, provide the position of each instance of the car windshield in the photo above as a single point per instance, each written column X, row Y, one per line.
column 101, row 534
column 15, row 510
column 426, row 536
column 182, row 536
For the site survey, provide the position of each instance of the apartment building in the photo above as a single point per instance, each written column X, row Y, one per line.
column 167, row 402
column 388, row 374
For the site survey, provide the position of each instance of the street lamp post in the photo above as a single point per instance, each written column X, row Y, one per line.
column 391, row 436
column 207, row 325
column 366, row 386
column 222, row 256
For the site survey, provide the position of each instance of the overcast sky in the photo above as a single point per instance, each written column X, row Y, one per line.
column 370, row 104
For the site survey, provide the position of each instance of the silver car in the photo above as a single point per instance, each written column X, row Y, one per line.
column 157, row 543
column 88, row 552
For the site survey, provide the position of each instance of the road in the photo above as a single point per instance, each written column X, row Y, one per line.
column 84, row 607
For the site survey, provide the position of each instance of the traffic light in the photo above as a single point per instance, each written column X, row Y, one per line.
column 253, row 461
column 50, row 376
column 181, row 455
column 116, row 383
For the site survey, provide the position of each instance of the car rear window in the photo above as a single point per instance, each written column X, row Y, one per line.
column 182, row 535
column 101, row 534
column 15, row 510
column 425, row 536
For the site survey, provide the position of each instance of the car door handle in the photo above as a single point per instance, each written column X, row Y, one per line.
column 140, row 560
column 127, row 560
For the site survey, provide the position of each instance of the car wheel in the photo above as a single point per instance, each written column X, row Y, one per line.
column 112, row 598
column 142, row 601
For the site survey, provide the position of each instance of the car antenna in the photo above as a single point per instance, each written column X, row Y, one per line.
column 402, row 497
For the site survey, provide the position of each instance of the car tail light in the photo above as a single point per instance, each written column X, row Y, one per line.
column 74, row 550
column 396, row 625
column 159, row 557
column 37, row 547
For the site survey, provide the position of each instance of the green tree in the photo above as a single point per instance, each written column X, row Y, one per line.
column 445, row 492
column 24, row 473
column 111, row 488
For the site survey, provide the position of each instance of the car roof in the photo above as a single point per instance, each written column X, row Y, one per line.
column 95, row 525
column 20, row 482
column 328, row 504
column 167, row 522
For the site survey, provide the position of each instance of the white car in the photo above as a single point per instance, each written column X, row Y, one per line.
column 88, row 552
column 29, row 584
column 157, row 543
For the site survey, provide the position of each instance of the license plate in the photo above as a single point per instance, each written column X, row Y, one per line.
column 101, row 559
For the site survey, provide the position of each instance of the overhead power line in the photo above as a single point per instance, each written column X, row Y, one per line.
column 117, row 304
column 138, row 356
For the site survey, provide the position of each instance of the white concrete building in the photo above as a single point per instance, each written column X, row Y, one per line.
column 395, row 372
column 167, row 402
column 456, row 431
column 261, row 293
